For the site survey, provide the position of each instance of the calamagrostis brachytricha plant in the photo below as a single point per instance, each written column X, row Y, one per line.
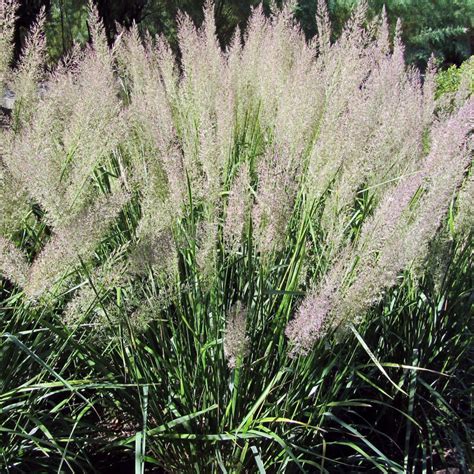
column 293, row 182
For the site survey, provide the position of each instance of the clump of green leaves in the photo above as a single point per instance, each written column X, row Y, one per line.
column 448, row 81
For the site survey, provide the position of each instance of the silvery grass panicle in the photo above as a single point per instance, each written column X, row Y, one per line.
column 242, row 139
column 237, row 209
column 269, row 59
column 24, row 81
column 29, row 74
column 7, row 29
column 275, row 74
column 275, row 196
column 14, row 205
column 443, row 173
column 100, row 284
column 235, row 339
column 310, row 322
column 206, row 238
column 143, row 197
column 13, row 263
column 464, row 222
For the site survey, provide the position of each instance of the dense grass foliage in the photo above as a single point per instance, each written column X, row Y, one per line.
column 250, row 260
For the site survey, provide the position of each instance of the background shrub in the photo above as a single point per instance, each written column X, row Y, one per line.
column 444, row 28
column 257, row 259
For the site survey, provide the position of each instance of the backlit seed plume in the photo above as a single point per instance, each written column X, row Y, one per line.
column 77, row 239
column 464, row 222
column 14, row 205
column 157, row 160
column 204, row 119
column 312, row 317
column 238, row 206
column 412, row 229
column 206, row 248
column 466, row 86
column 156, row 250
column 383, row 35
column 29, row 73
column 429, row 91
column 324, row 26
column 235, row 339
column 72, row 131
column 359, row 127
column 13, row 264
column 7, row 29
column 97, row 31
column 274, row 202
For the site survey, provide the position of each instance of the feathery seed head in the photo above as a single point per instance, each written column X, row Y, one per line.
column 274, row 202
column 76, row 239
column 7, row 29
column 13, row 263
column 235, row 338
column 238, row 207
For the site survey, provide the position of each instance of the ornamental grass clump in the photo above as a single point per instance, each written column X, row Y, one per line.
column 225, row 261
